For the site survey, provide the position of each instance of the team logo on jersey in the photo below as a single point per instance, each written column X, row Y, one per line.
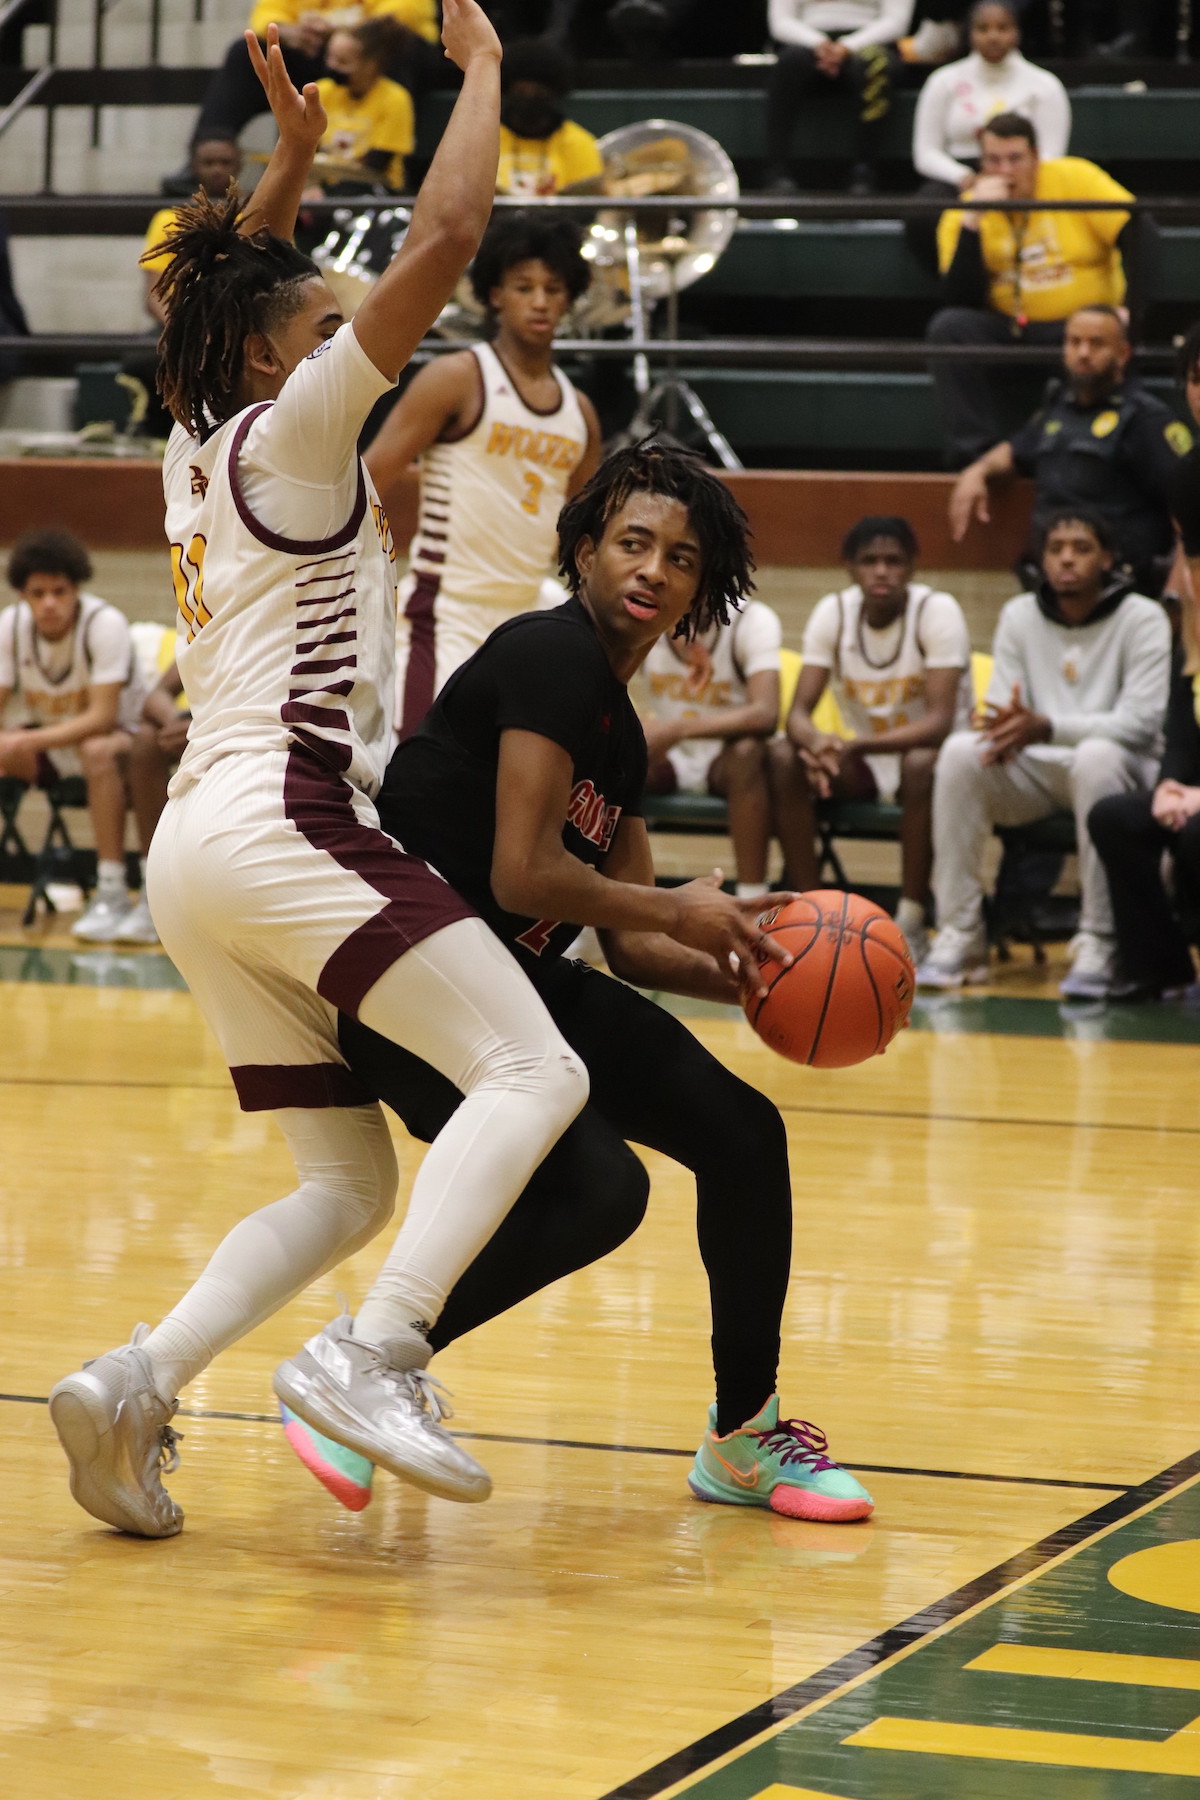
column 320, row 350
column 1178, row 436
column 1104, row 423
column 592, row 816
column 199, row 481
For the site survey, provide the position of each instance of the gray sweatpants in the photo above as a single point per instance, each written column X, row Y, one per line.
column 969, row 799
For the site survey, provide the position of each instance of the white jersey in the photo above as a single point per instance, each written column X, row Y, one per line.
column 707, row 675
column 284, row 575
column 49, row 682
column 489, row 501
column 879, row 676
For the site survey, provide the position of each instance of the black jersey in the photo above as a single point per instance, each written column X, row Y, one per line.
column 543, row 672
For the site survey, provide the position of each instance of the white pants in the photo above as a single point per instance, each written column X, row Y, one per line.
column 435, row 634
column 969, row 798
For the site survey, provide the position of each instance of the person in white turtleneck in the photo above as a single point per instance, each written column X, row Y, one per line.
column 959, row 99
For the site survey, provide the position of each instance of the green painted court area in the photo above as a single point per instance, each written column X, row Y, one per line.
column 1080, row 1683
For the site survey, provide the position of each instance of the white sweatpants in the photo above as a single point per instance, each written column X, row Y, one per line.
column 969, row 798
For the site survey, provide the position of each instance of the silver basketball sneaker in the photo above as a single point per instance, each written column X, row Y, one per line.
column 350, row 1391
column 116, row 1431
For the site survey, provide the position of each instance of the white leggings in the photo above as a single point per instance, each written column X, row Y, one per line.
column 459, row 1001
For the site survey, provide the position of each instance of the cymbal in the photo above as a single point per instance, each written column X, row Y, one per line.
column 325, row 163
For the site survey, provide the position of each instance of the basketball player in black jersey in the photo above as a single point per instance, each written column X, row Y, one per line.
column 523, row 787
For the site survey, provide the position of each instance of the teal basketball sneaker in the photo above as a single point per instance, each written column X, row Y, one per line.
column 345, row 1473
column 780, row 1463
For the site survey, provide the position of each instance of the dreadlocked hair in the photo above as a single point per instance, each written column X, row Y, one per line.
column 218, row 288
column 726, row 561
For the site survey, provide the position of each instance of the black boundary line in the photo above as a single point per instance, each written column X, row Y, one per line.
column 817, row 1112
column 697, row 1756
column 499, row 1437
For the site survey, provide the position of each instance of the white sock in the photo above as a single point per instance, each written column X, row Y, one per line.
column 110, row 878
column 910, row 916
column 751, row 890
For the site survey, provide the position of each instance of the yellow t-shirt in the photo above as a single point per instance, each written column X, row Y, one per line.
column 160, row 224
column 381, row 120
column 420, row 16
column 1064, row 260
column 543, row 165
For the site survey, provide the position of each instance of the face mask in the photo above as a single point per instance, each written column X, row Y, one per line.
column 531, row 115
column 338, row 75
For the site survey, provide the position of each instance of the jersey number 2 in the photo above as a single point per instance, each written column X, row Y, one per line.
column 187, row 573
column 533, row 491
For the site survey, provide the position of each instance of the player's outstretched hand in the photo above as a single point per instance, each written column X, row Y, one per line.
column 299, row 115
column 727, row 929
column 467, row 32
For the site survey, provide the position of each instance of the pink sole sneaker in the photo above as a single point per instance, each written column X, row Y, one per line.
column 317, row 1453
column 798, row 1503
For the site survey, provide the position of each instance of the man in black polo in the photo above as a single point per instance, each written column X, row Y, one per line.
column 1098, row 441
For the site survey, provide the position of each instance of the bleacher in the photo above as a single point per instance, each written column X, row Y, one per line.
column 833, row 278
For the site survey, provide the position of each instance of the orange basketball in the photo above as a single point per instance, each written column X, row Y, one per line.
column 849, row 990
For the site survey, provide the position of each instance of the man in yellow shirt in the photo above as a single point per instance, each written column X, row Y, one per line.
column 541, row 150
column 1017, row 277
column 235, row 95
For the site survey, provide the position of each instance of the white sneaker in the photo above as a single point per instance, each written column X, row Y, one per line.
column 137, row 927
column 103, row 918
column 957, row 957
column 116, row 1431
column 1093, row 967
column 350, row 1390
column 918, row 940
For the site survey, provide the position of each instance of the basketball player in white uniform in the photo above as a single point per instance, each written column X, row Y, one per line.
column 899, row 655
column 273, row 887
column 714, row 705
column 68, row 668
column 503, row 439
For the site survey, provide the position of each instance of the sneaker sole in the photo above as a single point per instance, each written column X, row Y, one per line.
column 81, row 1432
column 292, row 1387
column 792, row 1503
column 351, row 1495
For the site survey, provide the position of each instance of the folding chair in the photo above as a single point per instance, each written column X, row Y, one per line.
column 58, row 859
column 13, row 847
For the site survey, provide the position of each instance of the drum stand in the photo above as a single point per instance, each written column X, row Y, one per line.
column 663, row 400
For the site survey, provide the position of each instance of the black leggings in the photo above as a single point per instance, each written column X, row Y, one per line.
column 654, row 1083
column 865, row 76
column 1151, row 945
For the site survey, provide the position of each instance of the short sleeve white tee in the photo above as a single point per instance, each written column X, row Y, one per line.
column 879, row 676
column 50, row 681
column 707, row 675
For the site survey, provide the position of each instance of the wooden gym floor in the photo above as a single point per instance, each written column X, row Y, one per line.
column 994, row 1312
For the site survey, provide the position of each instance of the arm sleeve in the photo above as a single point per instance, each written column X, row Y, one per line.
column 394, row 129
column 892, row 23
column 548, row 678
column 1052, row 117
column 930, row 156
column 787, row 27
column 757, row 639
column 1024, row 443
column 299, row 464
column 821, row 634
column 1153, row 450
column 1008, row 663
column 1097, row 184
column 110, row 648
column 964, row 274
column 1136, row 720
column 945, row 639
column 580, row 157
column 1184, row 500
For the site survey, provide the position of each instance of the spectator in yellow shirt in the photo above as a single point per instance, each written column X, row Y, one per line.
column 215, row 162
column 235, row 95
column 1018, row 276
column 541, row 150
column 370, row 118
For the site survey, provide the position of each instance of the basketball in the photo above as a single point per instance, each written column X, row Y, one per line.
column 849, row 990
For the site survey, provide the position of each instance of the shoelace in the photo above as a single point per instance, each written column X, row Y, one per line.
column 429, row 1390
column 168, row 1449
column 795, row 1440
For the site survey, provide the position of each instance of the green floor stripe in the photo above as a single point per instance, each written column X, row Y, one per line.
column 96, row 966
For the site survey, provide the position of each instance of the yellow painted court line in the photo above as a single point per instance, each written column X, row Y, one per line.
column 779, row 1790
column 1090, row 1665
column 1176, row 1755
column 688, row 1782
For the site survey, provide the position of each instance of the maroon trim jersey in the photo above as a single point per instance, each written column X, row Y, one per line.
column 542, row 672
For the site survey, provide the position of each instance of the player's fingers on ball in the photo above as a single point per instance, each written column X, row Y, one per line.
column 769, row 946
